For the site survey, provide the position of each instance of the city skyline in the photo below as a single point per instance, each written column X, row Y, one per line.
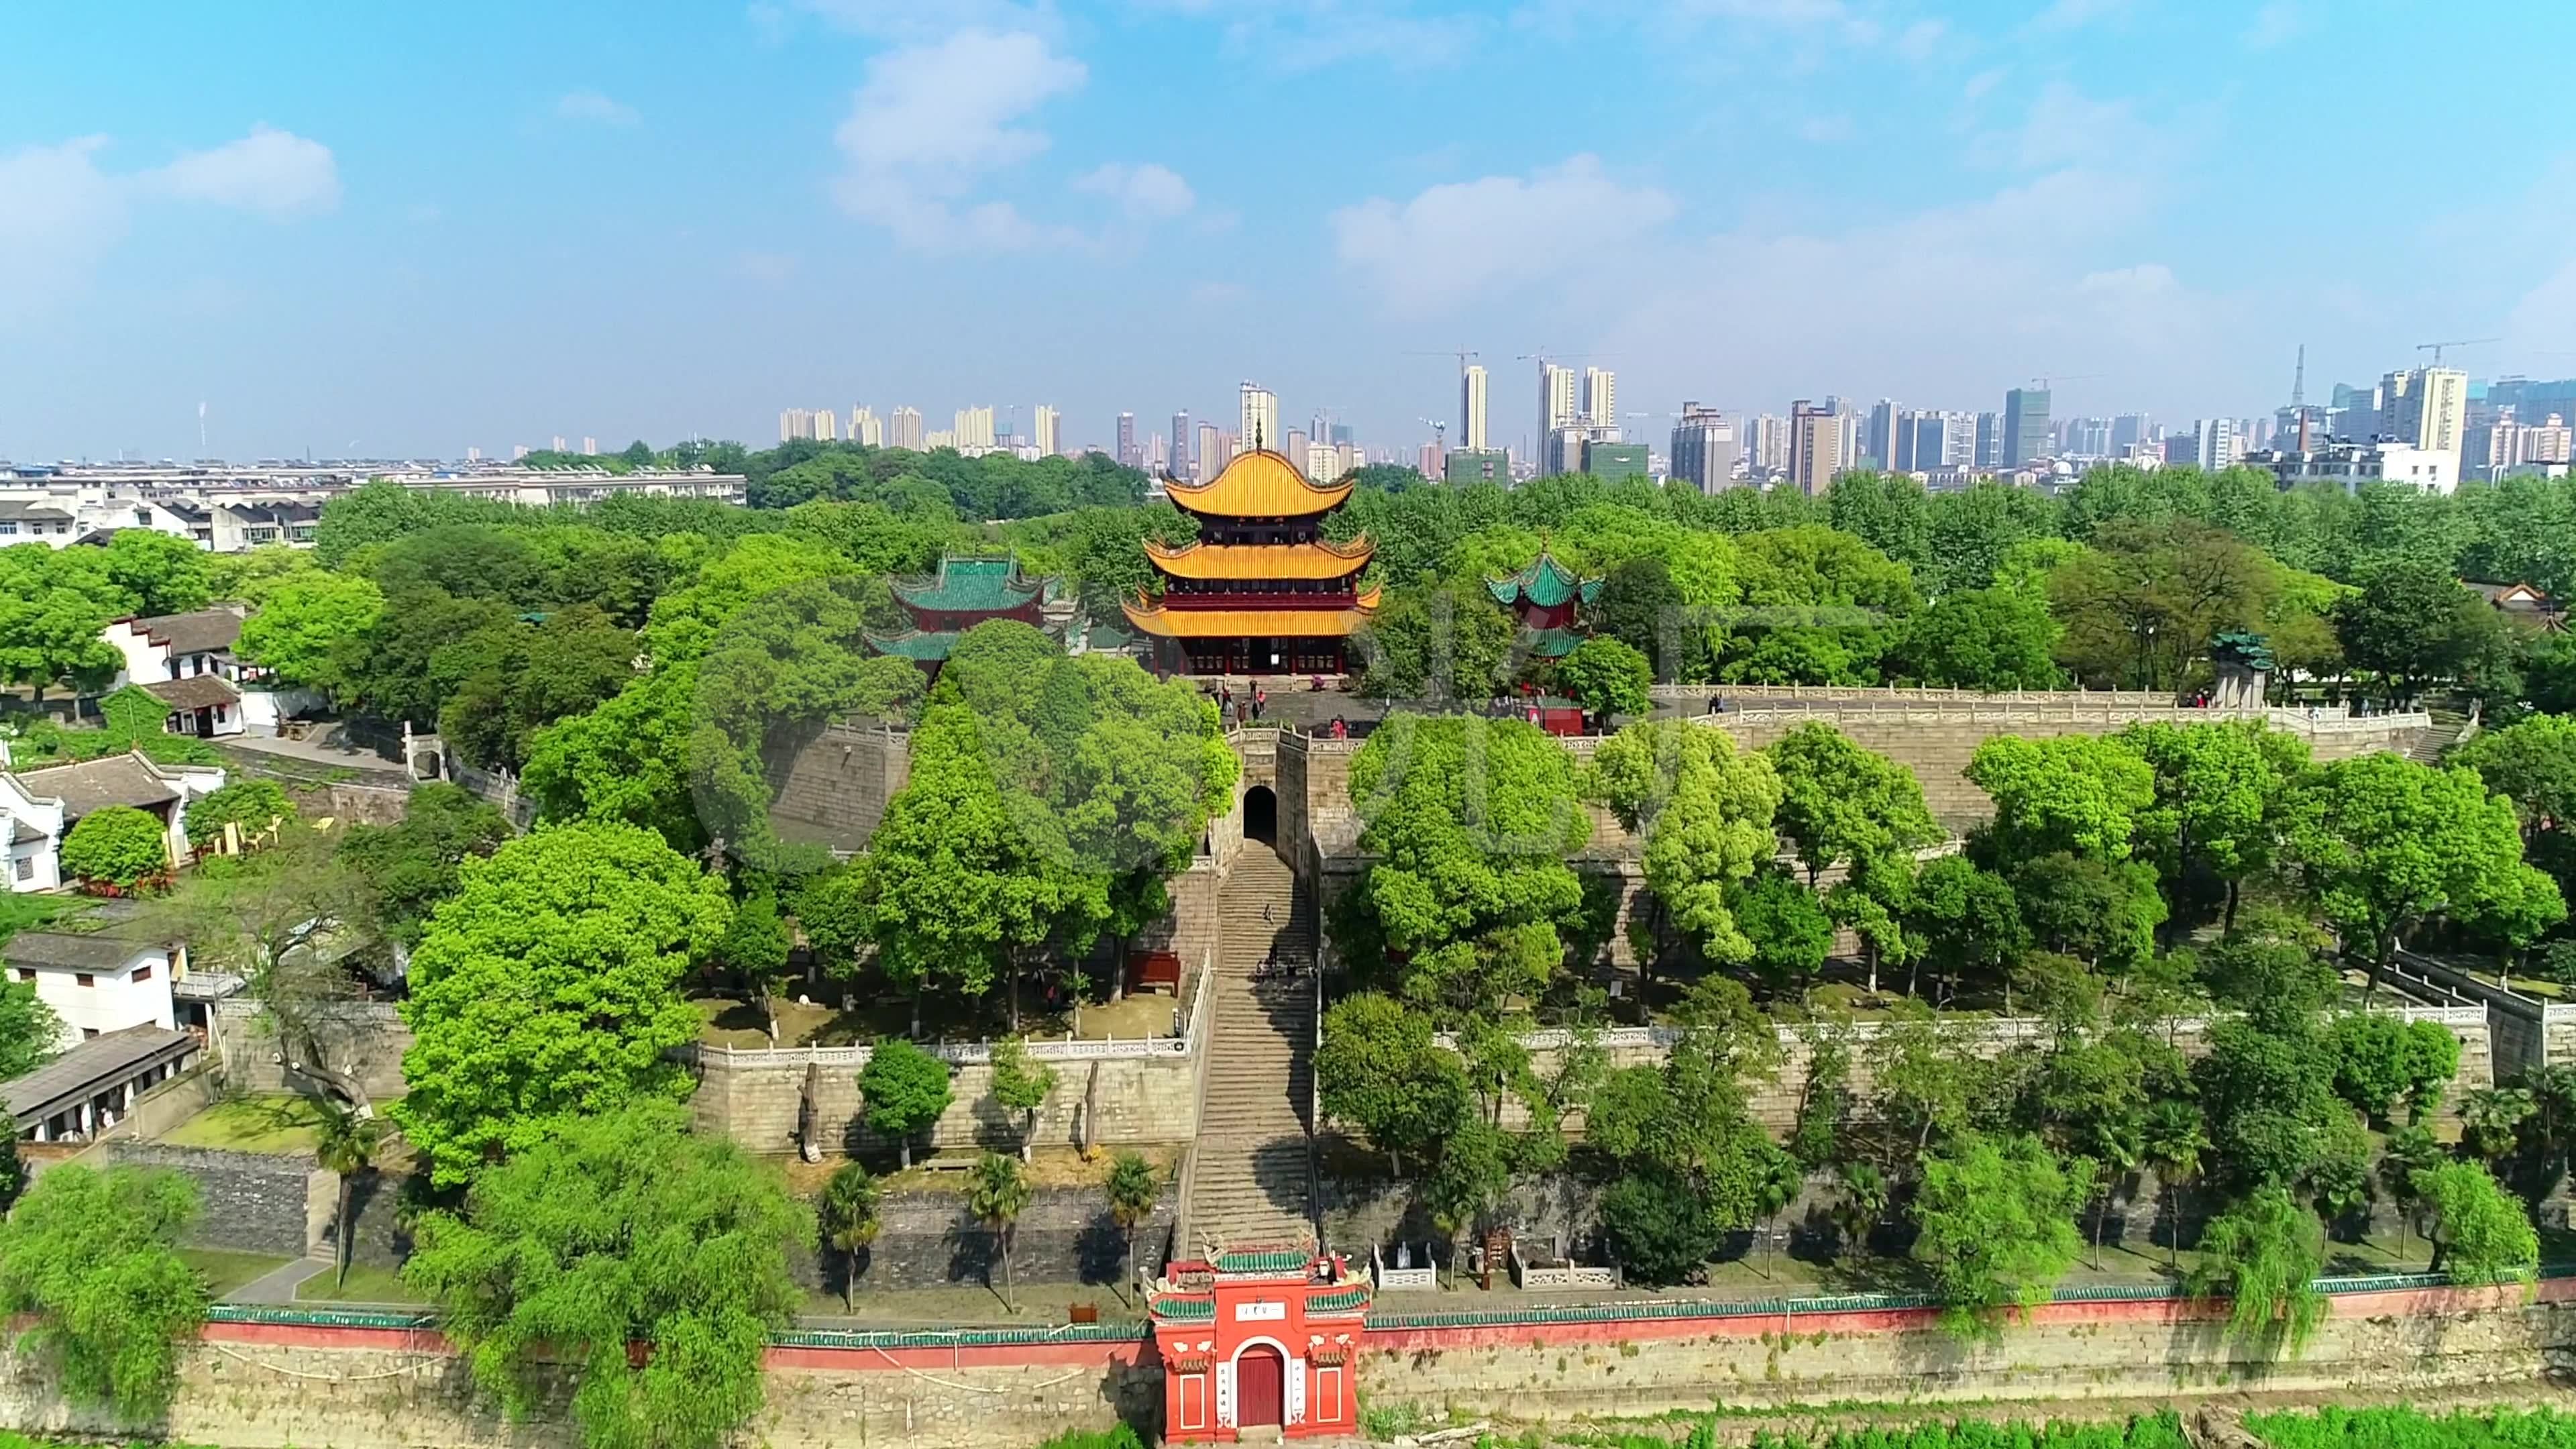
column 2067, row 188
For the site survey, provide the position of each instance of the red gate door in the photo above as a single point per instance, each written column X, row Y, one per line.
column 1260, row 1388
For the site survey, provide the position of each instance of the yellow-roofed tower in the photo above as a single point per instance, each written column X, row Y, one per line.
column 1260, row 590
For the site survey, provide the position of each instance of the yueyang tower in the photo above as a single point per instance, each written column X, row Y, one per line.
column 1259, row 591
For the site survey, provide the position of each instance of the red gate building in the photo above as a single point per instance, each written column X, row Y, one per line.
column 1255, row 1338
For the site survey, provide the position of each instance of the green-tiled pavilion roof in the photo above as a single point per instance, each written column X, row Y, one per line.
column 1263, row 1260
column 973, row 586
column 1183, row 1310
column 914, row 644
column 1552, row 643
column 1545, row 584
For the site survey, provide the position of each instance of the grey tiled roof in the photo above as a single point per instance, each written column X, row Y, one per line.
column 94, row 1065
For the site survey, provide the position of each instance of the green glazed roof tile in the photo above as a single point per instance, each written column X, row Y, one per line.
column 914, row 644
column 1545, row 584
column 972, row 586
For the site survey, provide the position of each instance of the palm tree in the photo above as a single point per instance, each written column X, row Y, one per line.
column 2491, row 1119
column 1133, row 1187
column 997, row 1194
column 849, row 1214
column 1778, row 1181
column 346, row 1144
column 2410, row 1150
column 2174, row 1142
column 1863, row 1201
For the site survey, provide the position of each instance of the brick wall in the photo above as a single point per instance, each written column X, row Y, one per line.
column 837, row 787
column 929, row 1240
column 369, row 1045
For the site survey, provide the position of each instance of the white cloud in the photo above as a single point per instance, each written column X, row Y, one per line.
column 2066, row 127
column 276, row 173
column 1146, row 193
column 1825, row 129
column 911, row 20
column 1980, row 83
column 933, row 121
column 2075, row 14
column 65, row 211
column 1305, row 35
column 590, row 105
column 2275, row 24
column 1919, row 40
column 1459, row 240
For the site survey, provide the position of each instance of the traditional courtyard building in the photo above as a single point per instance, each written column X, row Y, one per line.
column 1544, row 598
column 966, row 591
column 1260, row 590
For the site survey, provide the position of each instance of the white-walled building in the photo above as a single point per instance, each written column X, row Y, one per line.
column 97, row 983
column 2350, row 465
column 40, row 805
column 93, row 1085
column 187, row 660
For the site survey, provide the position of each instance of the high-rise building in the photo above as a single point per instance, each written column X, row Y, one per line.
column 794, row 423
column 903, row 429
column 1427, row 460
column 1471, row 408
column 1477, row 465
column 2025, row 426
column 1879, row 445
column 1260, row 419
column 866, row 428
column 1294, row 447
column 1815, row 446
column 2217, row 444
column 1343, row 435
column 1214, row 449
column 2088, row 437
column 1557, row 405
column 827, row 426
column 1603, row 459
column 1325, row 463
column 2127, row 431
column 974, row 427
column 1047, row 426
column 1766, row 443
column 2427, row 406
column 1990, row 441
column 1561, row 451
column 1601, row 398
column 589, row 447
column 1181, row 439
column 1128, row 456
column 559, row 442
column 1704, row 449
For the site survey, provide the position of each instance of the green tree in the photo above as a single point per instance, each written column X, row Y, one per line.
column 613, row 1233
column 2171, row 1143
column 90, row 1257
column 2413, row 624
column 1988, row 639
column 2079, row 793
column 1637, row 600
column 2140, row 606
column 1659, row 1228
column 1379, row 1071
column 628, row 760
column 1021, row 1085
column 2392, row 843
column 1468, row 826
column 164, row 573
column 30, row 1032
column 848, row 1214
column 1436, row 643
column 1840, row 803
column 1997, row 1224
column 116, row 845
column 1859, row 1206
column 2531, row 763
column 1790, row 932
column 549, row 988
column 1608, row 678
column 2225, row 796
column 1704, row 810
column 409, row 867
column 346, row 1145
column 756, row 946
column 1471, row 1172
column 2264, row 1254
column 2480, row 1231
column 997, row 1194
column 1133, row 1188
column 302, row 630
column 2410, row 1152
column 2491, row 1119
column 249, row 804
column 905, row 1089
column 1963, row 920
column 51, row 619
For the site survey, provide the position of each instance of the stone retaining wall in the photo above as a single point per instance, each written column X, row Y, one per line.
column 929, row 1240
column 1128, row 1099
column 247, row 1202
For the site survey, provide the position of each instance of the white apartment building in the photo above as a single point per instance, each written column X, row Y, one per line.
column 1259, row 410
column 1047, row 425
column 2217, row 444
column 1471, row 408
column 96, row 983
column 1601, row 400
column 2350, row 465
column 2427, row 407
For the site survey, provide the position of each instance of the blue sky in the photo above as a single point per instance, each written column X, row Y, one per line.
column 411, row 229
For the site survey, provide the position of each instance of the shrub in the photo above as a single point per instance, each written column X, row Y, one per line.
column 116, row 845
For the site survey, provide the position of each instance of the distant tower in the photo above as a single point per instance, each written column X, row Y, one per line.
column 1471, row 408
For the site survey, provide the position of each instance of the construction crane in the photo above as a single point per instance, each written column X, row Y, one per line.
column 1439, row 432
column 2435, row 348
column 1460, row 353
column 2045, row 383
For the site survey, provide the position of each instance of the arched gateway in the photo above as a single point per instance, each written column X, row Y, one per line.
column 1257, row 1337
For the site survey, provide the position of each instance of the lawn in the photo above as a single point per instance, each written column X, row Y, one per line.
column 226, row 1271
column 276, row 1122
column 367, row 1284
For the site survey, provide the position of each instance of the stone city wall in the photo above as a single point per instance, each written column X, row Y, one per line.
column 247, row 1202
column 369, row 1045
column 755, row 1097
column 258, row 1385
column 837, row 788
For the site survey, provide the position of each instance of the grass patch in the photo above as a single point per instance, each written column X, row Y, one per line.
column 2333, row 1428
column 367, row 1284
column 225, row 1271
column 269, row 1123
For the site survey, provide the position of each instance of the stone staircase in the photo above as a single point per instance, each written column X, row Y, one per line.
column 2449, row 725
column 1251, row 1171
